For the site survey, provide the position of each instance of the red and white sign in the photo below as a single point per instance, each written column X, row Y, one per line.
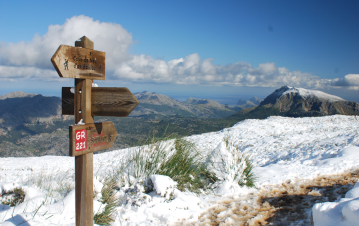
column 91, row 137
column 80, row 140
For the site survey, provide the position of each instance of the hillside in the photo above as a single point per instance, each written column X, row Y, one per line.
column 301, row 165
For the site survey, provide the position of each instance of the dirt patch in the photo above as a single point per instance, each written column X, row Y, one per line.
column 286, row 204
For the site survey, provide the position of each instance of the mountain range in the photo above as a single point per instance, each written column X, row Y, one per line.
column 156, row 105
column 32, row 125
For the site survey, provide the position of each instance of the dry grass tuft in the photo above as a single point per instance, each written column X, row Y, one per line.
column 289, row 203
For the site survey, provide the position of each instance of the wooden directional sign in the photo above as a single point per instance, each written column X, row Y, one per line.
column 85, row 64
column 76, row 62
column 105, row 101
column 91, row 137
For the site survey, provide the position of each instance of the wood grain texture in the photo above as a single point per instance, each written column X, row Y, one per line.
column 84, row 189
column 84, row 162
column 99, row 136
column 105, row 101
column 77, row 62
column 86, row 101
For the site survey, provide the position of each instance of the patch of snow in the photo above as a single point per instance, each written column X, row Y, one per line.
column 345, row 212
column 163, row 184
column 81, row 122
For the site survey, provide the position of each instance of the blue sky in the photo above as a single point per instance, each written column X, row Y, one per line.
column 222, row 50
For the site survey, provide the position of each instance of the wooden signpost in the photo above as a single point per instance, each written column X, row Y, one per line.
column 85, row 64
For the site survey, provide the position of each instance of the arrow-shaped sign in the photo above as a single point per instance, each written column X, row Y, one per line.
column 91, row 137
column 105, row 101
column 76, row 62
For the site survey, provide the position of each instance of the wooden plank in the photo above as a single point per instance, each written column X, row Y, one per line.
column 86, row 101
column 91, row 137
column 106, row 101
column 84, row 189
column 77, row 62
column 84, row 162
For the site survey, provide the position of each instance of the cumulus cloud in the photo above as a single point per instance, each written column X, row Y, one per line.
column 348, row 80
column 32, row 60
column 10, row 73
column 108, row 37
column 191, row 70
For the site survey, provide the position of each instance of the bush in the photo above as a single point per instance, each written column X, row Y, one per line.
column 186, row 167
column 227, row 162
column 18, row 196
column 176, row 158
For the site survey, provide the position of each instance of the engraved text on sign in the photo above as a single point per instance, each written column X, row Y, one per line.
column 75, row 62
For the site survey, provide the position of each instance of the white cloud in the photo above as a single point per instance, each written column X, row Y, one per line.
column 192, row 70
column 348, row 80
column 32, row 60
column 108, row 37
column 11, row 73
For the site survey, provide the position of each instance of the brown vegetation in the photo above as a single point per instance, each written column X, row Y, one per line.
column 286, row 204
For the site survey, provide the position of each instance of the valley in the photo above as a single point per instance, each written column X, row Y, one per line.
column 40, row 129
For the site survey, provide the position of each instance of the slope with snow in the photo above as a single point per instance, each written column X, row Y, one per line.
column 280, row 149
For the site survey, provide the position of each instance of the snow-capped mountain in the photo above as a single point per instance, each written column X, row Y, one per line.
column 305, row 102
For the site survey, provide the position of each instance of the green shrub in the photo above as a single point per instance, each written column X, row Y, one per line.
column 110, row 201
column 17, row 198
column 177, row 158
column 186, row 167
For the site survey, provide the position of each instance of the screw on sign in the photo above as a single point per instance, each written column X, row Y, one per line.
column 84, row 64
column 80, row 140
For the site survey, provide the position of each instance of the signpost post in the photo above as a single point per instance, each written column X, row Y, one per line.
column 85, row 64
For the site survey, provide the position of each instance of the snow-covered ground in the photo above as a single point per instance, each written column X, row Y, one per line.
column 280, row 148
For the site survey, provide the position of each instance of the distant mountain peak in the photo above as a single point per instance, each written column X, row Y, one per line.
column 306, row 102
column 155, row 98
column 208, row 102
column 256, row 100
column 16, row 94
column 249, row 103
